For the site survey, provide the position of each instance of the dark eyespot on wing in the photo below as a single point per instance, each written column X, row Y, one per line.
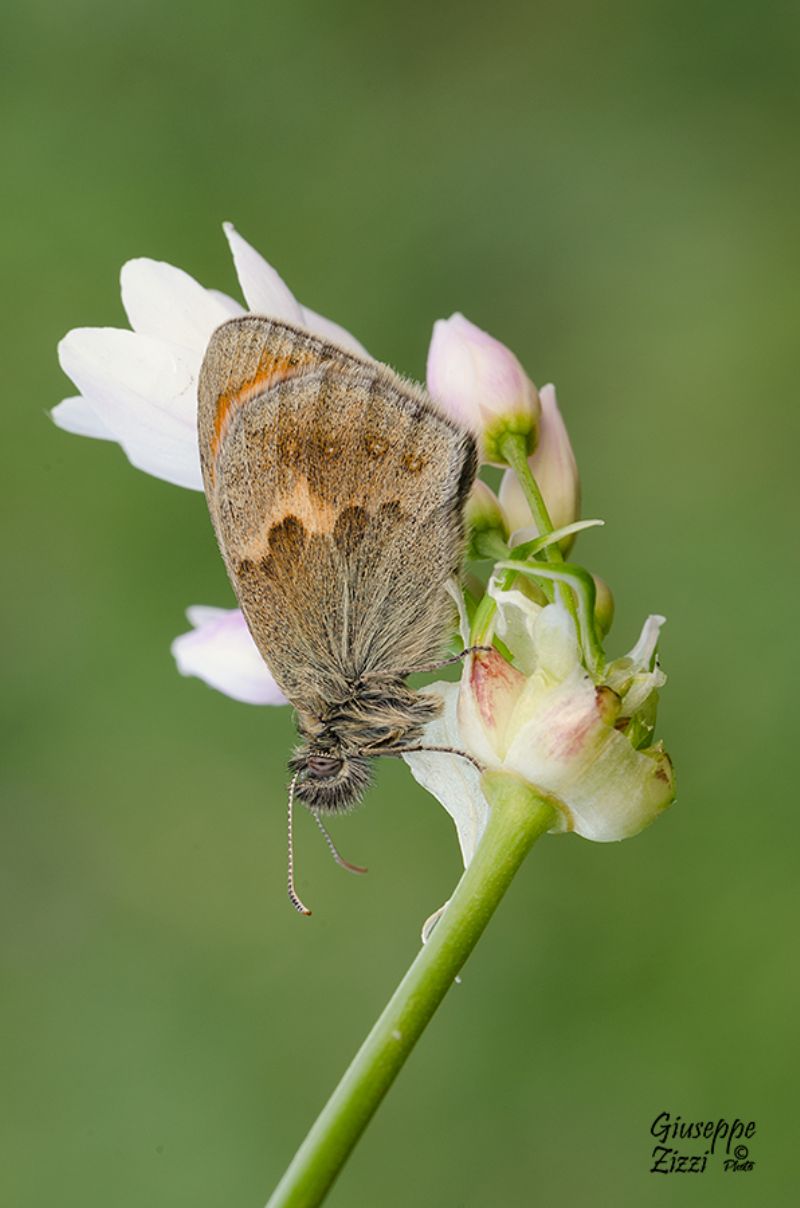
column 376, row 445
column 413, row 463
column 350, row 528
column 287, row 538
column 288, row 541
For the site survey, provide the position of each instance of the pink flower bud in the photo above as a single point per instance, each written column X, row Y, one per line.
column 480, row 382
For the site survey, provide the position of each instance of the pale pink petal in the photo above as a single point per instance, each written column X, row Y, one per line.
column 144, row 393
column 220, row 651
column 265, row 291
column 490, row 689
column 78, row 416
column 568, row 746
column 165, row 302
column 474, row 377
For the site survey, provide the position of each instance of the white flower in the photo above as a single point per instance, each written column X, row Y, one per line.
column 554, row 467
column 545, row 718
column 480, row 382
column 220, row 651
column 139, row 387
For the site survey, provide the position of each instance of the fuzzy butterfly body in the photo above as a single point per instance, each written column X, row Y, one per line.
column 336, row 490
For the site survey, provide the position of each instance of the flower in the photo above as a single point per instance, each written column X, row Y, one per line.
column 480, row 382
column 139, row 387
column 220, row 651
column 544, row 703
column 585, row 739
column 554, row 467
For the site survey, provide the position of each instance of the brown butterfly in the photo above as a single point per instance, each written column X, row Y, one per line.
column 336, row 490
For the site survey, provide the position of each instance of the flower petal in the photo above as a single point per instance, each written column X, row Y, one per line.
column 328, row 330
column 637, row 674
column 79, row 416
column 165, row 302
column 144, row 393
column 490, row 688
column 452, row 780
column 220, row 651
column 645, row 648
column 568, row 746
column 265, row 291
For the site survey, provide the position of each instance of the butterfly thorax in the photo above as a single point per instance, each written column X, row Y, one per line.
column 378, row 716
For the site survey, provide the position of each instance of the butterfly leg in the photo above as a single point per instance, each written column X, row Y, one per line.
column 404, row 672
column 399, row 752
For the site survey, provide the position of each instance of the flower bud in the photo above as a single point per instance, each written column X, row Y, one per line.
column 603, row 605
column 480, row 382
column 485, row 521
column 555, row 470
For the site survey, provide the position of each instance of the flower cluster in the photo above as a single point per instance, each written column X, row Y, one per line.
column 544, row 702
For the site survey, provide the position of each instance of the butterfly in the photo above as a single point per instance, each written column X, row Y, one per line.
column 336, row 489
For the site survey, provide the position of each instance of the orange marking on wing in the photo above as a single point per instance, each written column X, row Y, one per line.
column 269, row 373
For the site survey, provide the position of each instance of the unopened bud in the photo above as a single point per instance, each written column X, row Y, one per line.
column 480, row 382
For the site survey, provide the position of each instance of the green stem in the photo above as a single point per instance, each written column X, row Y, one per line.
column 518, row 816
column 513, row 449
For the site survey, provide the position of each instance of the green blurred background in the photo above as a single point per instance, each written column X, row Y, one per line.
column 613, row 191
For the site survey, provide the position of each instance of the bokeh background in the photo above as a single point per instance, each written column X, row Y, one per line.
column 612, row 190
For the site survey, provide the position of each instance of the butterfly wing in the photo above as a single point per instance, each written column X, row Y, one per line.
column 336, row 490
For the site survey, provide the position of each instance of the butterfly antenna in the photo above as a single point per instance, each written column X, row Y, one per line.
column 333, row 849
column 293, row 898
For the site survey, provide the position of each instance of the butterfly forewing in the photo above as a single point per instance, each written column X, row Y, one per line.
column 336, row 490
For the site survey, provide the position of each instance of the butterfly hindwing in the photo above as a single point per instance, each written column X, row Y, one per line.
column 336, row 490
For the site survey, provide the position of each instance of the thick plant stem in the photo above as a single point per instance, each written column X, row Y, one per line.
column 518, row 816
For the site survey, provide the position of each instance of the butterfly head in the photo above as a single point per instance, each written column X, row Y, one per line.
column 330, row 781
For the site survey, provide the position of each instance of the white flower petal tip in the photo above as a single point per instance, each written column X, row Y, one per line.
column 220, row 651
column 79, row 417
column 481, row 384
column 642, row 654
column 554, row 467
column 265, row 291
